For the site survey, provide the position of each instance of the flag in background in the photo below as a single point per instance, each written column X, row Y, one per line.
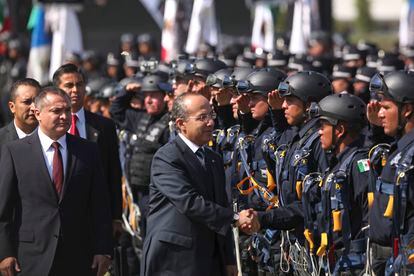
column 153, row 8
column 203, row 26
column 39, row 55
column 406, row 32
column 67, row 35
column 263, row 27
column 306, row 19
column 169, row 49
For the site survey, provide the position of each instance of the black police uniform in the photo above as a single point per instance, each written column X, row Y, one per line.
column 290, row 214
column 344, row 190
column 382, row 232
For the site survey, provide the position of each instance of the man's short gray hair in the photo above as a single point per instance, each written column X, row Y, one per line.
column 40, row 100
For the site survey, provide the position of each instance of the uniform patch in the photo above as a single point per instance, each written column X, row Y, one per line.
column 363, row 165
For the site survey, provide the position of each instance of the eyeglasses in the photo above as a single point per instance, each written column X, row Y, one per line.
column 204, row 117
column 284, row 89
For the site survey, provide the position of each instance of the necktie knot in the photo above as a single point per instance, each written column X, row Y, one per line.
column 200, row 153
column 56, row 145
column 73, row 129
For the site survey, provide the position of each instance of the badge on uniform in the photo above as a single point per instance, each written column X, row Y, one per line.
column 363, row 165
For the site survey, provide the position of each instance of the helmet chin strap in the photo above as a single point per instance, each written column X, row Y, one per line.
column 401, row 121
column 335, row 142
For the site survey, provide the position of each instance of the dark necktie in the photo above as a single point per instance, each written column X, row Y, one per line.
column 57, row 170
column 73, row 129
column 201, row 156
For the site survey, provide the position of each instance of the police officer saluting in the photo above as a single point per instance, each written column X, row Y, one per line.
column 392, row 214
column 298, row 152
column 344, row 207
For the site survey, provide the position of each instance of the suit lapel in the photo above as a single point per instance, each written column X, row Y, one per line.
column 215, row 176
column 38, row 154
column 198, row 173
column 71, row 160
column 12, row 133
column 92, row 133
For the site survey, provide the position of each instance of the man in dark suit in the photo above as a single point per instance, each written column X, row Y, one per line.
column 97, row 129
column 22, row 95
column 54, row 215
column 189, row 218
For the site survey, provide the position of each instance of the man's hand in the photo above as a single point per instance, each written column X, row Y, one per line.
column 133, row 87
column 223, row 96
column 231, row 270
column 101, row 262
column 249, row 221
column 373, row 108
column 9, row 266
column 274, row 100
column 243, row 103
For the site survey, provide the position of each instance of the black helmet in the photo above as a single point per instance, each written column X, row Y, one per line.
column 396, row 85
column 206, row 66
column 264, row 80
column 341, row 107
column 182, row 68
column 241, row 73
column 155, row 82
column 108, row 90
column 221, row 78
column 308, row 86
column 95, row 85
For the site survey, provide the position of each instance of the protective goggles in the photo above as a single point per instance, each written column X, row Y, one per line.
column 377, row 86
column 243, row 86
column 227, row 81
column 285, row 89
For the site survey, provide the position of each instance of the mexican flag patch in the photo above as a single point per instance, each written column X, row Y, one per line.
column 363, row 165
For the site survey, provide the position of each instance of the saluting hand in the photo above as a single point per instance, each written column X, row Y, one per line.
column 373, row 109
column 133, row 87
column 9, row 266
column 274, row 100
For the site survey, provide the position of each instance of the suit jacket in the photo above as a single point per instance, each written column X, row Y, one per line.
column 8, row 133
column 102, row 131
column 34, row 220
column 186, row 225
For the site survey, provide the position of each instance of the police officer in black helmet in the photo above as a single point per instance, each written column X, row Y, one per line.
column 298, row 153
column 342, row 215
column 392, row 213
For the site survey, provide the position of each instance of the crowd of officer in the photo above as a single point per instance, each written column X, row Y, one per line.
column 317, row 147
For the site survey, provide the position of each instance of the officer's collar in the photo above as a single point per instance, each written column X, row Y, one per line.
column 312, row 123
column 406, row 140
column 359, row 143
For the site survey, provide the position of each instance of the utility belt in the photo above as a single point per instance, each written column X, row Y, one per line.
column 381, row 252
column 358, row 246
column 265, row 249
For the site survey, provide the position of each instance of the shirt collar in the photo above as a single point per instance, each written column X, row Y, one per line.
column 313, row 123
column 46, row 142
column 81, row 115
column 190, row 144
column 20, row 133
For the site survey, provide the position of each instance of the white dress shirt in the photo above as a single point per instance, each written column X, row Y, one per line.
column 81, row 123
column 20, row 133
column 48, row 151
column 190, row 144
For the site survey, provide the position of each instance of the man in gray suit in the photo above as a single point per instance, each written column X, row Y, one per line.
column 24, row 123
column 54, row 215
column 189, row 218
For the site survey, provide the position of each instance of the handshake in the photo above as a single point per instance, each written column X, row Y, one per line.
column 248, row 221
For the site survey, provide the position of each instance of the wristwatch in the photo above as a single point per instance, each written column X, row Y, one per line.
column 235, row 219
